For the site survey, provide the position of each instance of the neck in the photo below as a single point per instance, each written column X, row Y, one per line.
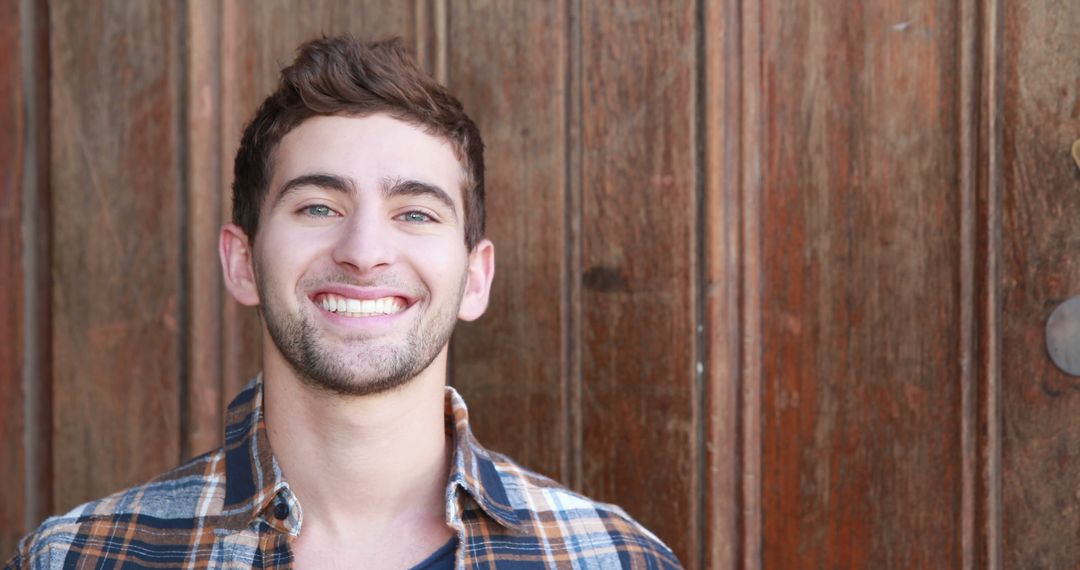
column 363, row 462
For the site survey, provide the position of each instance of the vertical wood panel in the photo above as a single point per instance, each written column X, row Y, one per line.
column 508, row 66
column 204, row 195
column 259, row 39
column 722, row 286
column 240, row 328
column 967, row 144
column 24, row 281
column 35, row 275
column 981, row 150
column 115, row 266
column 860, row 297
column 989, row 183
column 753, row 159
column 851, row 291
column 638, row 259
column 575, row 287
column 13, row 142
column 1040, row 269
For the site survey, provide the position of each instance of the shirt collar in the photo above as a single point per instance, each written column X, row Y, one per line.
column 252, row 476
column 254, row 480
column 472, row 467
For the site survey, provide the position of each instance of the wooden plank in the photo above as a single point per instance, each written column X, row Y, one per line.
column 724, row 459
column 431, row 36
column 970, row 279
column 860, row 305
column 1040, row 246
column 987, row 521
column 753, row 160
column 116, row 183
column 508, row 66
column 12, row 326
column 37, row 222
column 203, row 405
column 638, row 255
column 979, row 185
column 575, row 287
column 259, row 38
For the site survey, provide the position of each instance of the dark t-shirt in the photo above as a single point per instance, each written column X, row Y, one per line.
column 441, row 559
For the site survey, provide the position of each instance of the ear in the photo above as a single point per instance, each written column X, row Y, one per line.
column 237, row 265
column 478, row 281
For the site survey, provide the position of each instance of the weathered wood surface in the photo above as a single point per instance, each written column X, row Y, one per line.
column 25, row 443
column 725, row 261
column 205, row 195
column 12, row 325
column 1040, row 268
column 869, row 210
column 859, row 305
column 638, row 261
column 512, row 366
column 116, row 268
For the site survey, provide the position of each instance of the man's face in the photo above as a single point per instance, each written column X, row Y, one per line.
column 360, row 262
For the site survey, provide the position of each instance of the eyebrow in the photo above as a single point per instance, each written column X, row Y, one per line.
column 327, row 181
column 390, row 187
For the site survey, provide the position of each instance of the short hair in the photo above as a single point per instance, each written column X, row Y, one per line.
column 343, row 75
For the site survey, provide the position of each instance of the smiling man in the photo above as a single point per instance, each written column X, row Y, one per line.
column 358, row 229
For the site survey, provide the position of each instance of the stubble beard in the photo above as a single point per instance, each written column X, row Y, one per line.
column 362, row 366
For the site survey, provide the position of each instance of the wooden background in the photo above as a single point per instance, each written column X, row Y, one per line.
column 772, row 275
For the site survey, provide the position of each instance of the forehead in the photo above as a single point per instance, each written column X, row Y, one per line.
column 368, row 150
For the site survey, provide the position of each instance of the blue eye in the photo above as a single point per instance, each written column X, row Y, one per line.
column 318, row 211
column 416, row 216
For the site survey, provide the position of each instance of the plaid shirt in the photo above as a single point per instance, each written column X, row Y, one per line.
column 232, row 508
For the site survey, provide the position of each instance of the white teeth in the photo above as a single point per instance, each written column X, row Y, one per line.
column 360, row 307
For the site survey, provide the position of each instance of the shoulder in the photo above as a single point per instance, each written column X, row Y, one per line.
column 587, row 530
column 169, row 503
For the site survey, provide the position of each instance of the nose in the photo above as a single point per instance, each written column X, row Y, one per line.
column 364, row 243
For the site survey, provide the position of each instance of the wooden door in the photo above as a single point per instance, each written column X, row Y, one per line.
column 774, row 276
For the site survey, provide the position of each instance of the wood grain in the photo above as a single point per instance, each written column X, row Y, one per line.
column 980, row 186
column 1040, row 249
column 638, row 244
column 12, row 324
column 753, row 159
column 36, row 220
column 722, row 540
column 889, row 216
column 988, row 521
column 860, row 305
column 508, row 66
column 116, row 285
column 204, row 196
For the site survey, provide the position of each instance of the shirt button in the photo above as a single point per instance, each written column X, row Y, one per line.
column 281, row 511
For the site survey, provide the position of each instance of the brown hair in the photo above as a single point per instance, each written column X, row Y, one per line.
column 342, row 75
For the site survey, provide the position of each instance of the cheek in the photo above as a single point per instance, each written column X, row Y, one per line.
column 446, row 269
column 279, row 261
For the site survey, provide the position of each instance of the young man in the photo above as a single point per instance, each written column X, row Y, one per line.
column 358, row 230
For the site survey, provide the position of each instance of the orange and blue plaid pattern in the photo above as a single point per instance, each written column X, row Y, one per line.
column 232, row 508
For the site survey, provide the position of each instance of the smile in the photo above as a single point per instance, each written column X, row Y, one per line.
column 347, row 307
